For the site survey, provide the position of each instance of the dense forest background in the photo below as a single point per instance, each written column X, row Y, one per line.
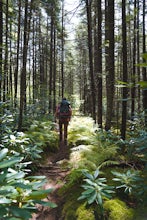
column 100, row 66
column 105, row 66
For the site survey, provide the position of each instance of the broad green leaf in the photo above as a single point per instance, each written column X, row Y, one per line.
column 96, row 173
column 88, row 175
column 99, row 197
column 3, row 211
column 2, row 177
column 41, row 194
column 92, row 198
column 20, row 212
column 21, row 185
column 3, row 153
column 15, row 176
column 8, row 163
column 50, row 204
column 5, row 201
column 90, row 182
column 82, row 197
column 36, row 177
column 89, row 191
column 88, row 186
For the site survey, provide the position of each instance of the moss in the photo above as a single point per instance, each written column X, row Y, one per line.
column 71, row 204
column 84, row 214
column 70, row 215
column 117, row 210
column 141, row 212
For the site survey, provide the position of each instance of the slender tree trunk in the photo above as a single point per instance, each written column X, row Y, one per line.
column 133, row 90
column 23, row 71
column 1, row 46
column 17, row 55
column 54, row 75
column 10, row 70
column 125, row 74
column 144, row 72
column 5, row 81
column 51, row 60
column 99, row 61
column 110, row 63
column 138, row 56
column 62, row 55
column 89, row 26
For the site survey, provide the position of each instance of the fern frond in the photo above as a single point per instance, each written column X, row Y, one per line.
column 108, row 163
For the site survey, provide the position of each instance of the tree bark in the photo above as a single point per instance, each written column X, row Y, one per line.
column 92, row 84
column 23, row 71
column 109, row 62
column 17, row 55
column 125, row 73
column 144, row 72
column 1, row 46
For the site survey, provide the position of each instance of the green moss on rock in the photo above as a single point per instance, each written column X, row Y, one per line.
column 84, row 214
column 117, row 210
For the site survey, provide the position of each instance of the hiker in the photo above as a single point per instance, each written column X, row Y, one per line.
column 63, row 113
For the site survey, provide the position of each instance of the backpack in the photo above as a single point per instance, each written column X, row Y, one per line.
column 64, row 111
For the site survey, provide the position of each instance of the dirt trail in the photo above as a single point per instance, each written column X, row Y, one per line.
column 55, row 174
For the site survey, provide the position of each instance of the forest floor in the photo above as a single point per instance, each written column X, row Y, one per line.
column 55, row 174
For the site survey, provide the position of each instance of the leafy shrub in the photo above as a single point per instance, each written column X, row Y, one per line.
column 91, row 157
column 81, row 130
column 95, row 189
column 43, row 135
column 18, row 142
column 130, row 181
column 18, row 193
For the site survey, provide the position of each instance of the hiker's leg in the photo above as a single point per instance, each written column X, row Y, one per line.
column 65, row 131
column 60, row 131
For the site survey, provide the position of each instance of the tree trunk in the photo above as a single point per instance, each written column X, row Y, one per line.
column 92, row 84
column 109, row 62
column 144, row 72
column 5, row 78
column 23, row 71
column 133, row 90
column 1, row 46
column 99, row 61
column 51, row 59
column 125, row 74
column 62, row 54
column 17, row 55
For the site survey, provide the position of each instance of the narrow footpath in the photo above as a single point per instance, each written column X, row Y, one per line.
column 55, row 174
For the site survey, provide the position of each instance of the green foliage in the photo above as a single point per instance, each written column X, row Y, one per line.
column 130, row 181
column 74, row 178
column 83, row 213
column 81, row 130
column 43, row 135
column 90, row 156
column 71, row 204
column 117, row 210
column 95, row 189
column 18, row 193
column 18, row 142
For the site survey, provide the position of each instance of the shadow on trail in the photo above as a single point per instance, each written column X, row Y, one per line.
column 55, row 172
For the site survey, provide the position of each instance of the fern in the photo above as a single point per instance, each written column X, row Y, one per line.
column 108, row 163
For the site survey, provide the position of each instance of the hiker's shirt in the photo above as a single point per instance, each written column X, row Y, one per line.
column 63, row 120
